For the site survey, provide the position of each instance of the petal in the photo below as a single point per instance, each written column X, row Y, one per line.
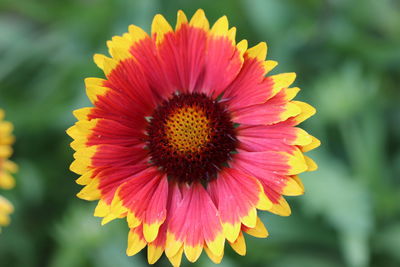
column 215, row 258
column 310, row 146
column 117, row 210
column 220, row 27
column 193, row 252
column 298, row 181
column 90, row 191
column 258, row 52
column 180, row 20
column 279, row 206
column 115, row 155
column 147, row 71
column 232, row 37
column 239, row 245
column 249, row 87
column 119, row 106
column 102, row 209
column 312, row 166
column 183, row 55
column 157, row 247
column 105, row 63
column 129, row 79
column 104, row 131
column 113, row 133
column 137, row 34
column 119, row 47
column 95, row 88
column 195, row 222
column 199, row 20
column 269, row 65
column 154, row 253
column 83, row 160
column 222, row 56
column 112, row 177
column 258, row 231
column 85, row 178
column 276, row 109
column 159, row 28
column 292, row 187
column 260, row 164
column 272, row 138
column 306, row 112
column 281, row 81
column 156, row 211
column 145, row 197
column 111, row 164
column 173, row 243
column 80, row 132
column 176, row 259
column 272, row 172
column 136, row 241
column 242, row 47
column 111, row 192
column 265, row 114
column 236, row 196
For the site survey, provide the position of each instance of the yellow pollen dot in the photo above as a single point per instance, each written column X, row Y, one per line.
column 188, row 130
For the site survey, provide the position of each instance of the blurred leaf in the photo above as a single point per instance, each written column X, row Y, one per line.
column 306, row 260
column 344, row 203
column 388, row 241
column 343, row 94
column 29, row 182
column 81, row 239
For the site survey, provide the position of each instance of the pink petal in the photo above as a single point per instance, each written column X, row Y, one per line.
column 278, row 137
column 250, row 87
column 182, row 56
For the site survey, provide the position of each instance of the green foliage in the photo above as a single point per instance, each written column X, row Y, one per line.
column 347, row 57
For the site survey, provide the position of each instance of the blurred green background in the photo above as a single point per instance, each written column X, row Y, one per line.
column 347, row 57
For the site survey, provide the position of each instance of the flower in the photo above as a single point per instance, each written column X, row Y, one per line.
column 188, row 137
column 6, row 167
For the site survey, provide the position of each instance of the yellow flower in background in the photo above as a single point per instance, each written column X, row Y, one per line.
column 6, row 208
column 188, row 137
column 6, row 167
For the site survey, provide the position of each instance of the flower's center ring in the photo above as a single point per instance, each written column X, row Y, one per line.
column 191, row 137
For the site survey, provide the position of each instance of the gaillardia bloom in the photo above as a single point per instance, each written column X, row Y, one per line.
column 188, row 137
column 6, row 167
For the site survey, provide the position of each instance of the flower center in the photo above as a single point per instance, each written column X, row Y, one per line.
column 188, row 130
column 191, row 137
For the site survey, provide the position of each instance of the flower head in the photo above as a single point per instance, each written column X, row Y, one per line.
column 6, row 167
column 188, row 136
